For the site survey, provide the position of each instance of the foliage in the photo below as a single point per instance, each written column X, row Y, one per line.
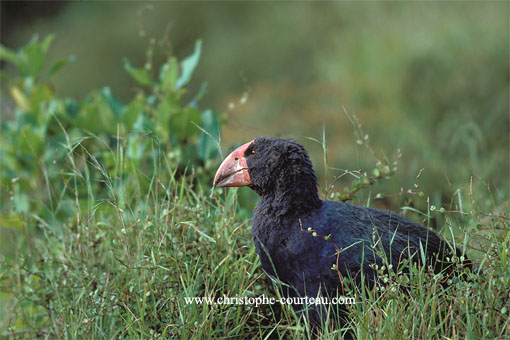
column 39, row 144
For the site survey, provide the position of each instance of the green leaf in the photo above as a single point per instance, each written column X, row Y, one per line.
column 32, row 142
column 132, row 110
column 9, row 55
column 115, row 105
column 33, row 57
column 168, row 75
column 71, row 107
column 143, row 124
column 181, row 125
column 42, row 93
column 141, row 75
column 208, row 142
column 45, row 45
column 188, row 66
column 61, row 63
column 164, row 111
column 135, row 147
column 96, row 115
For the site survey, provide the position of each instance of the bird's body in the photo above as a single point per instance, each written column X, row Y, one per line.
column 290, row 251
column 297, row 235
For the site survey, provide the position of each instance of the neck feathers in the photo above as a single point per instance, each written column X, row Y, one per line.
column 294, row 194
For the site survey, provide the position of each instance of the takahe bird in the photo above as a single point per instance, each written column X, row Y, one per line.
column 281, row 173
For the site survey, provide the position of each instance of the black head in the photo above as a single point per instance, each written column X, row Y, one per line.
column 276, row 169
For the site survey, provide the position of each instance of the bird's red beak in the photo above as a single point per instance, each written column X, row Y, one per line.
column 233, row 171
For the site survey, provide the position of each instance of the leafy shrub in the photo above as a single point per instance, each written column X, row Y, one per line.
column 45, row 130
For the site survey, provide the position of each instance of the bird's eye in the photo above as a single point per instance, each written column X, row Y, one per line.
column 252, row 153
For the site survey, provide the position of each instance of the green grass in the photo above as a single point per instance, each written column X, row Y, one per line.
column 122, row 265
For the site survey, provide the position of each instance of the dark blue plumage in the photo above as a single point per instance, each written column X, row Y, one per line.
column 281, row 173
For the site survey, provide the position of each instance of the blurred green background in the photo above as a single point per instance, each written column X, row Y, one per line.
column 430, row 78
